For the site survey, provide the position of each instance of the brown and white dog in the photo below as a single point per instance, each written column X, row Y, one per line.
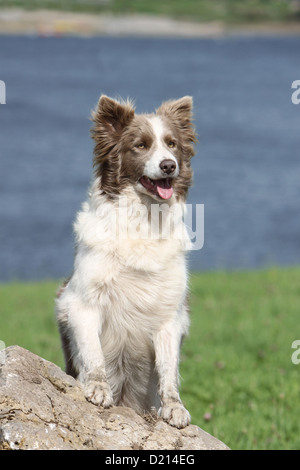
column 123, row 313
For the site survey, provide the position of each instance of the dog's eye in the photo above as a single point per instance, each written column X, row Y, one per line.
column 141, row 146
column 171, row 144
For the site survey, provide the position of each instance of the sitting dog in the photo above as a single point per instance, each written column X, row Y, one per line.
column 123, row 313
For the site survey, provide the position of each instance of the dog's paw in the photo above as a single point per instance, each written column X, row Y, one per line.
column 175, row 414
column 98, row 393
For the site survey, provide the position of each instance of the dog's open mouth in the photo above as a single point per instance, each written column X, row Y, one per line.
column 162, row 187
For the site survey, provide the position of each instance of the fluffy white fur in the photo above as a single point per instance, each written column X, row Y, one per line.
column 123, row 313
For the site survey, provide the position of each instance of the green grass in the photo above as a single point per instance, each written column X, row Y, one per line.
column 27, row 318
column 238, row 380
column 237, row 360
column 198, row 10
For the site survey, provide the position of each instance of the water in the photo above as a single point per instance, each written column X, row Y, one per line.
column 247, row 171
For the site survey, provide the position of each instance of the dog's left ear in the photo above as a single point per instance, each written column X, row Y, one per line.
column 180, row 110
column 180, row 113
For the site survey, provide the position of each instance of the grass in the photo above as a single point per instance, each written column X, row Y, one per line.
column 237, row 365
column 238, row 380
column 27, row 318
column 197, row 10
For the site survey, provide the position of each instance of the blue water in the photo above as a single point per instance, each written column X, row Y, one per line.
column 247, row 171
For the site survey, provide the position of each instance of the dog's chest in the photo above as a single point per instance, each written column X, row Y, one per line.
column 131, row 278
column 141, row 288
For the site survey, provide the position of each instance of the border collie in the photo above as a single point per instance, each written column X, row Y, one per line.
column 123, row 313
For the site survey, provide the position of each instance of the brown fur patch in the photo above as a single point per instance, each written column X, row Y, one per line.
column 110, row 119
column 134, row 159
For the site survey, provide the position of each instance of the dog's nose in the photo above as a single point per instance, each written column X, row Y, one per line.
column 168, row 166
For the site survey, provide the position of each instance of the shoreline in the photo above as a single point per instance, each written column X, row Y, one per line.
column 16, row 21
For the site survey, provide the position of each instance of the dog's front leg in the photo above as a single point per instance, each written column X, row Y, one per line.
column 88, row 357
column 167, row 348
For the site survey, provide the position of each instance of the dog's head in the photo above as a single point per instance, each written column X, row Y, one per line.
column 150, row 152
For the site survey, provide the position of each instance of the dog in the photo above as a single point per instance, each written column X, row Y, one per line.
column 123, row 313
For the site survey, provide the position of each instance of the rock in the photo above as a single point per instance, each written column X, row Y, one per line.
column 43, row 408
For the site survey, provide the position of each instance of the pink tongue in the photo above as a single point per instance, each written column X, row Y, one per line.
column 164, row 189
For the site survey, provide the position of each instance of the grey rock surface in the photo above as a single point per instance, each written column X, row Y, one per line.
column 43, row 408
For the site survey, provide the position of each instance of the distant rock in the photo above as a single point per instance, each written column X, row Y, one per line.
column 43, row 408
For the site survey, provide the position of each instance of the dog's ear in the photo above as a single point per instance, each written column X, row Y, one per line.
column 110, row 119
column 180, row 113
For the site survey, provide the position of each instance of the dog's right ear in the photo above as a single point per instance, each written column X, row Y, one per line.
column 110, row 117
